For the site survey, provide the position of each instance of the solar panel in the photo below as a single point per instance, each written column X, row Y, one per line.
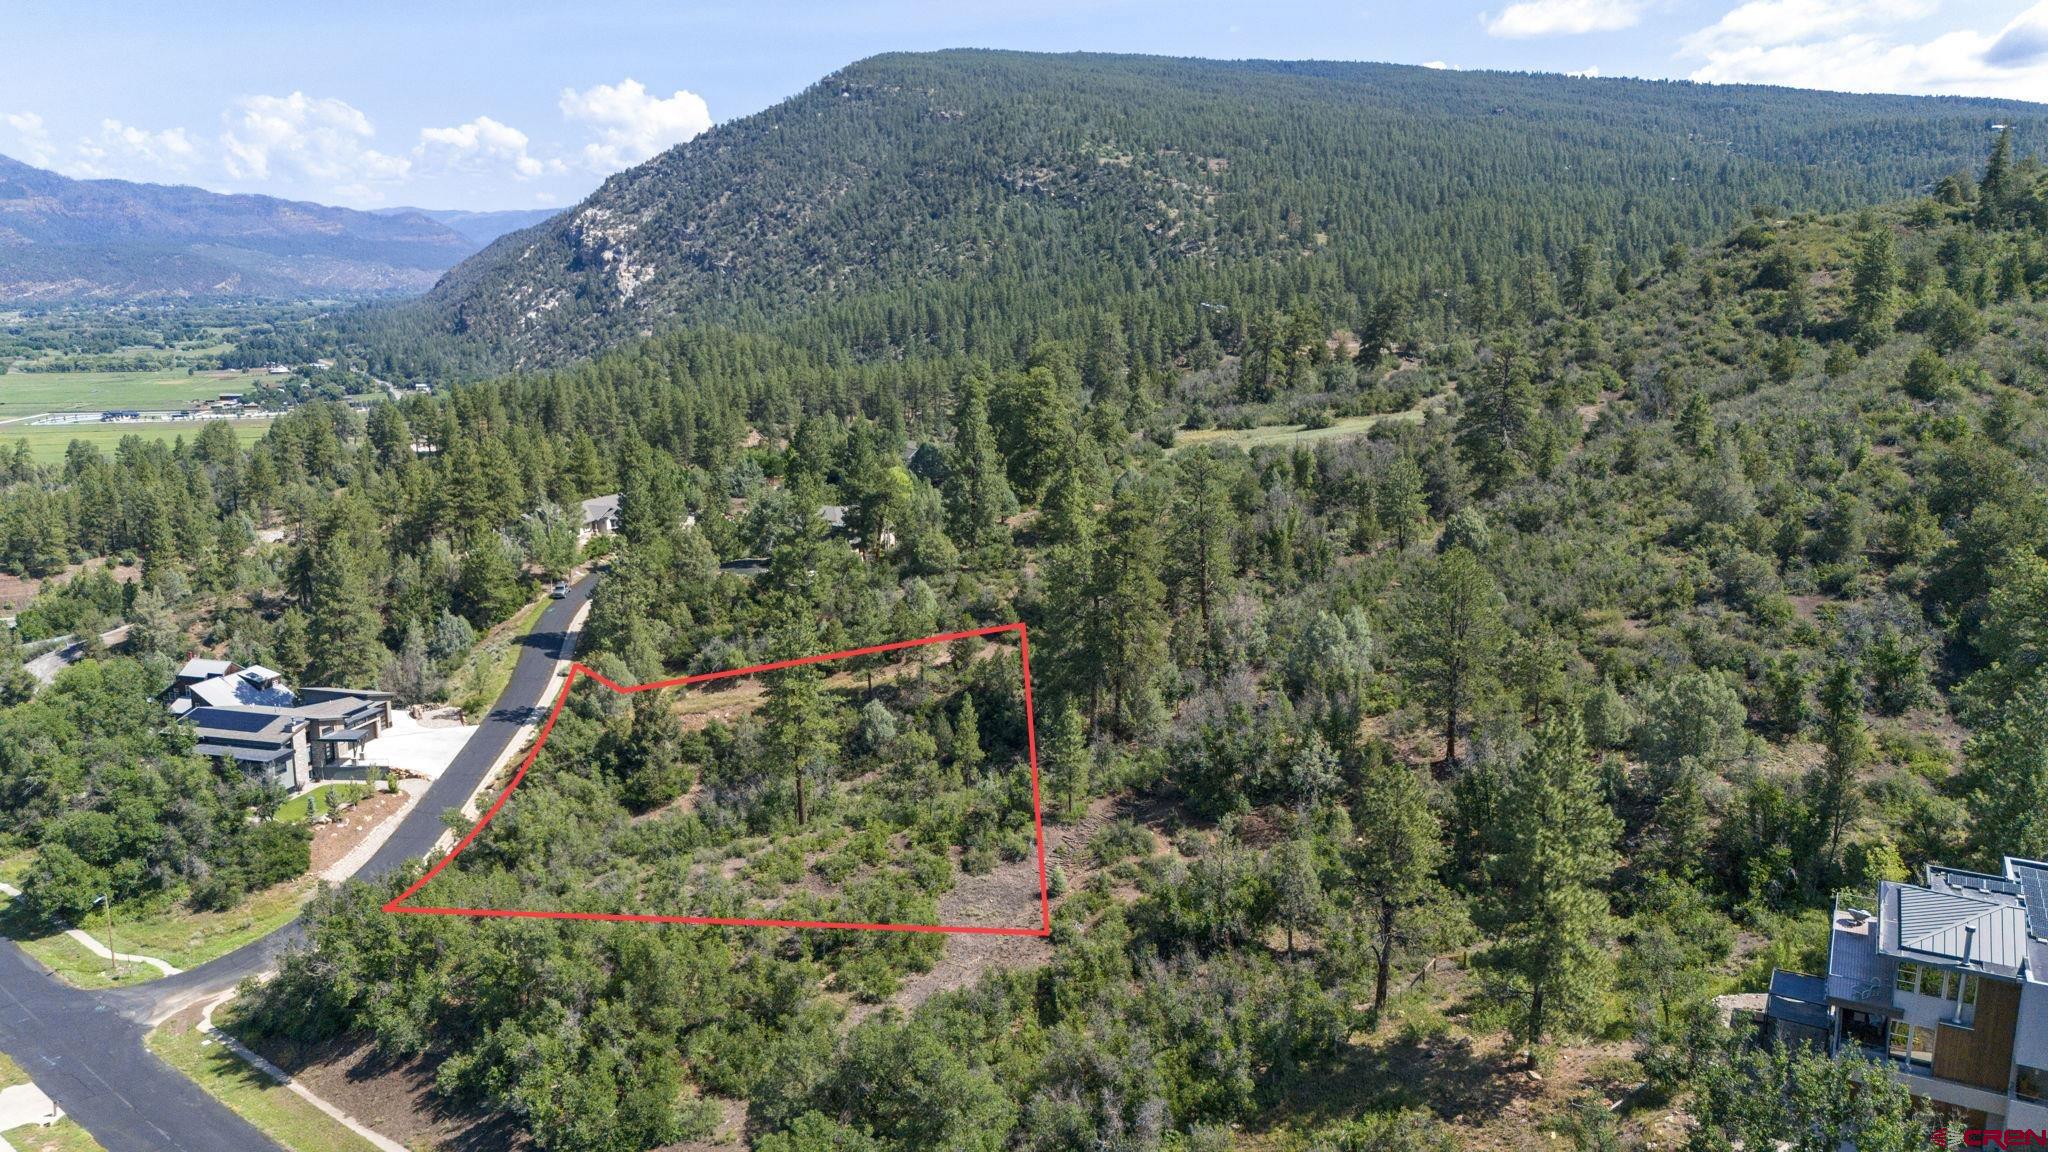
column 228, row 720
column 2034, row 888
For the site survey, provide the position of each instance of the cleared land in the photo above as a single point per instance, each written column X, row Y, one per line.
column 47, row 443
column 31, row 393
column 1289, row 434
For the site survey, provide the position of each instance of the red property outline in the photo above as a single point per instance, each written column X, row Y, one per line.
column 394, row 905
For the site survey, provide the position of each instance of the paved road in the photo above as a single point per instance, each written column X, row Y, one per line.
column 85, row 1048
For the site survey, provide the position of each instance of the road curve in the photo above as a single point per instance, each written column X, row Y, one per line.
column 85, row 1048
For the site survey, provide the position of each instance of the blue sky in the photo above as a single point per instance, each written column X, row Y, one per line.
column 509, row 104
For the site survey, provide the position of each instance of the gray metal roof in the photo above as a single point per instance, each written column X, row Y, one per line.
column 246, row 755
column 1799, row 986
column 1941, row 925
column 200, row 668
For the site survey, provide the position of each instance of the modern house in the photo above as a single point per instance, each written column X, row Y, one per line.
column 600, row 517
column 1946, row 982
column 287, row 737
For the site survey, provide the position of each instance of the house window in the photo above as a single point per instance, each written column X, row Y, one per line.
column 1911, row 1043
column 2032, row 1084
column 1909, row 978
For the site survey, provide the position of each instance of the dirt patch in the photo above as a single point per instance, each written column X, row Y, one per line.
column 17, row 591
column 732, row 1126
column 394, row 1097
column 334, row 839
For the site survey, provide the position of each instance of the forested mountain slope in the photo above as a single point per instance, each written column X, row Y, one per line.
column 958, row 200
column 1477, row 714
column 115, row 240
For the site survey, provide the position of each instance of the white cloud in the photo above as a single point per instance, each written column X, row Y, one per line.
column 1564, row 17
column 317, row 139
column 481, row 145
column 127, row 151
column 1862, row 47
column 1763, row 23
column 1586, row 73
column 32, row 139
column 1438, row 65
column 633, row 125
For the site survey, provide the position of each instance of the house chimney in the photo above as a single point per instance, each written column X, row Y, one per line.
column 1969, row 943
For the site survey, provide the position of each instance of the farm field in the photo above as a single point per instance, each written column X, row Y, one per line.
column 47, row 443
column 32, row 393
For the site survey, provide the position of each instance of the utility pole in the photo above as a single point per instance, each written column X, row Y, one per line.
column 113, row 965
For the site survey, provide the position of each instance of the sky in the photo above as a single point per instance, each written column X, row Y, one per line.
column 523, row 104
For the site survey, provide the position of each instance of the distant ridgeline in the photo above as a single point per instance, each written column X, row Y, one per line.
column 967, row 202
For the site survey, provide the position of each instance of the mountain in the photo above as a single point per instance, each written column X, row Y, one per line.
column 922, row 199
column 479, row 228
column 64, row 239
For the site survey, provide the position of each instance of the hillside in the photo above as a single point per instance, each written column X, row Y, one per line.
column 946, row 199
column 114, row 240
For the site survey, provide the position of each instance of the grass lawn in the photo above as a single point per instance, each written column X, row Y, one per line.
column 279, row 1112
column 32, row 393
column 298, row 808
column 63, row 1136
column 47, row 443
column 182, row 937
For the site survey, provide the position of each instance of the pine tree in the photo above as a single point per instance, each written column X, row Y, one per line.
column 1558, row 853
column 1204, row 518
column 1067, row 758
column 2006, row 768
column 1297, row 889
column 1995, row 193
column 341, row 625
column 977, row 490
column 1132, row 602
column 1834, row 790
column 967, row 752
column 1449, row 637
column 1497, row 428
column 1873, row 287
column 799, row 729
column 1395, row 861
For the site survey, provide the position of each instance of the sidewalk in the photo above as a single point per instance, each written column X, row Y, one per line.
column 91, row 943
column 249, row 1057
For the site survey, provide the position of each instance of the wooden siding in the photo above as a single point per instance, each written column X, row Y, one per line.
column 1981, row 1055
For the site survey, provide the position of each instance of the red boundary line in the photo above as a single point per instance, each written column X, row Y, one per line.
column 396, row 903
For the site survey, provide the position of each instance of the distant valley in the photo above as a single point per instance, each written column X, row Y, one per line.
column 115, row 241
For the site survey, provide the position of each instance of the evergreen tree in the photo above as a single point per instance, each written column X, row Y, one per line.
column 1997, row 190
column 2006, row 769
column 1498, row 425
column 1873, row 287
column 341, row 624
column 1449, row 637
column 1067, row 758
column 1834, row 790
column 977, row 489
column 1395, row 863
column 1557, row 854
column 1297, row 889
column 1199, row 552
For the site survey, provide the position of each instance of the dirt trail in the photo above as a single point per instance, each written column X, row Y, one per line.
column 1008, row 896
